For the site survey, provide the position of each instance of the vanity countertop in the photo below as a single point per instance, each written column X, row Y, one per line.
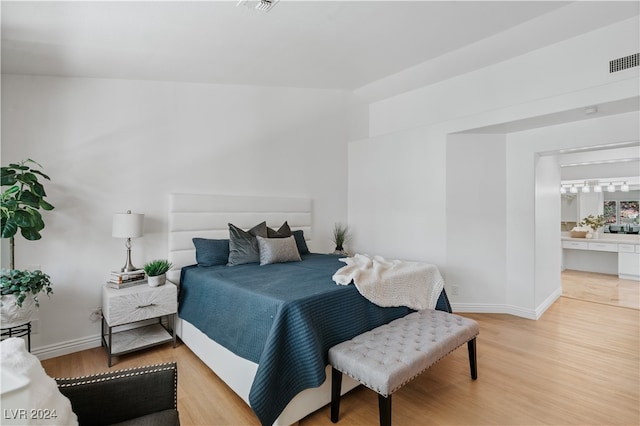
column 606, row 238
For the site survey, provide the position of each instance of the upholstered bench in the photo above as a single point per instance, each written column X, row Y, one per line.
column 386, row 358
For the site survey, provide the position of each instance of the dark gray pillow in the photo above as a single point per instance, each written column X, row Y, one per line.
column 243, row 246
column 283, row 232
column 300, row 241
column 278, row 250
column 211, row 252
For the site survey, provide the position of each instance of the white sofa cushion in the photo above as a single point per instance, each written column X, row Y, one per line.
column 46, row 406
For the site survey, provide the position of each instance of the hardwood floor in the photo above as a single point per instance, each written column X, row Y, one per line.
column 577, row 365
column 601, row 288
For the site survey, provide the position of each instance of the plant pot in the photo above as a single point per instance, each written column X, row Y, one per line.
column 11, row 315
column 157, row 280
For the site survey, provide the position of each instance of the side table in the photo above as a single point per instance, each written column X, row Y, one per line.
column 130, row 305
column 18, row 331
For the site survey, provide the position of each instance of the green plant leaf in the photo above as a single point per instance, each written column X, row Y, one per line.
column 12, row 190
column 9, row 228
column 45, row 205
column 8, row 179
column 28, row 178
column 41, row 174
column 30, row 199
column 38, row 189
column 23, row 219
column 18, row 166
column 38, row 224
column 30, row 234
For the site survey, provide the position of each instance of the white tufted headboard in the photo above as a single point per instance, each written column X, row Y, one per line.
column 207, row 216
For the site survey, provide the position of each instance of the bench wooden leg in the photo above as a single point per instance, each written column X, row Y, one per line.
column 471, row 345
column 384, row 405
column 336, row 386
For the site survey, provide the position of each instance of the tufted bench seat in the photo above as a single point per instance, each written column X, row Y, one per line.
column 386, row 358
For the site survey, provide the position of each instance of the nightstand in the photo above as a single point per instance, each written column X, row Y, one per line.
column 123, row 307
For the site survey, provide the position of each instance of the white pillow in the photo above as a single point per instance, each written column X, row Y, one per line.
column 278, row 250
column 44, row 396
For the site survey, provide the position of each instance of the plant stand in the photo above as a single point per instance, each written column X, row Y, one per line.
column 18, row 331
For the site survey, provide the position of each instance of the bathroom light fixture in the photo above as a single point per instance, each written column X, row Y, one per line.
column 563, row 190
column 586, row 188
column 597, row 188
column 624, row 187
column 611, row 187
column 573, row 189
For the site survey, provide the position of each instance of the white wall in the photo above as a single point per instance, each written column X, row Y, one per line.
column 415, row 127
column 476, row 212
column 113, row 145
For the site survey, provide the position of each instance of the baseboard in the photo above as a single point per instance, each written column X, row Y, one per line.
column 518, row 311
column 68, row 347
column 541, row 309
column 494, row 309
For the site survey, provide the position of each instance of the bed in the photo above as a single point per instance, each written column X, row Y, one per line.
column 285, row 315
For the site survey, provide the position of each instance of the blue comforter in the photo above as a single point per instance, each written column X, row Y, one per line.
column 284, row 317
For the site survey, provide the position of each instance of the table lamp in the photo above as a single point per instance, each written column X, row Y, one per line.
column 127, row 225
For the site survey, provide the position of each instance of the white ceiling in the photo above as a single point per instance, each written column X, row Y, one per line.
column 313, row 44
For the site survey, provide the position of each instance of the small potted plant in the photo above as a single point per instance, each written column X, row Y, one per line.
column 593, row 222
column 20, row 289
column 156, row 271
column 339, row 237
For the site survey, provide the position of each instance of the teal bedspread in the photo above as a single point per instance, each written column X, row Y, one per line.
column 284, row 317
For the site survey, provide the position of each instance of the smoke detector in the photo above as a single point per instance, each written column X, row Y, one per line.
column 259, row 5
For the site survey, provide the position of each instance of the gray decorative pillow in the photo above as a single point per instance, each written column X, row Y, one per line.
column 278, row 250
column 282, row 232
column 243, row 246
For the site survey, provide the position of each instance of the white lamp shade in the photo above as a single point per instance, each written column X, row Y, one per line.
column 127, row 225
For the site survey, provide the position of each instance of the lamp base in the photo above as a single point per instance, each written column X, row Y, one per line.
column 128, row 266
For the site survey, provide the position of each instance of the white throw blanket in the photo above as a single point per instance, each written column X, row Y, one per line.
column 392, row 282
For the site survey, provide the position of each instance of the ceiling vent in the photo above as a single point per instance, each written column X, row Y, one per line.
column 624, row 63
column 259, row 5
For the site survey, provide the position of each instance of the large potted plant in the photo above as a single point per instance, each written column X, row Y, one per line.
column 20, row 211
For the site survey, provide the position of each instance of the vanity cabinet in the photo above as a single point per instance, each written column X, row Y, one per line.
column 603, row 256
column 629, row 261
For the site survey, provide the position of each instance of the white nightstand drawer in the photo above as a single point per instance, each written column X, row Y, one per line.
column 603, row 246
column 578, row 245
column 123, row 306
column 627, row 248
